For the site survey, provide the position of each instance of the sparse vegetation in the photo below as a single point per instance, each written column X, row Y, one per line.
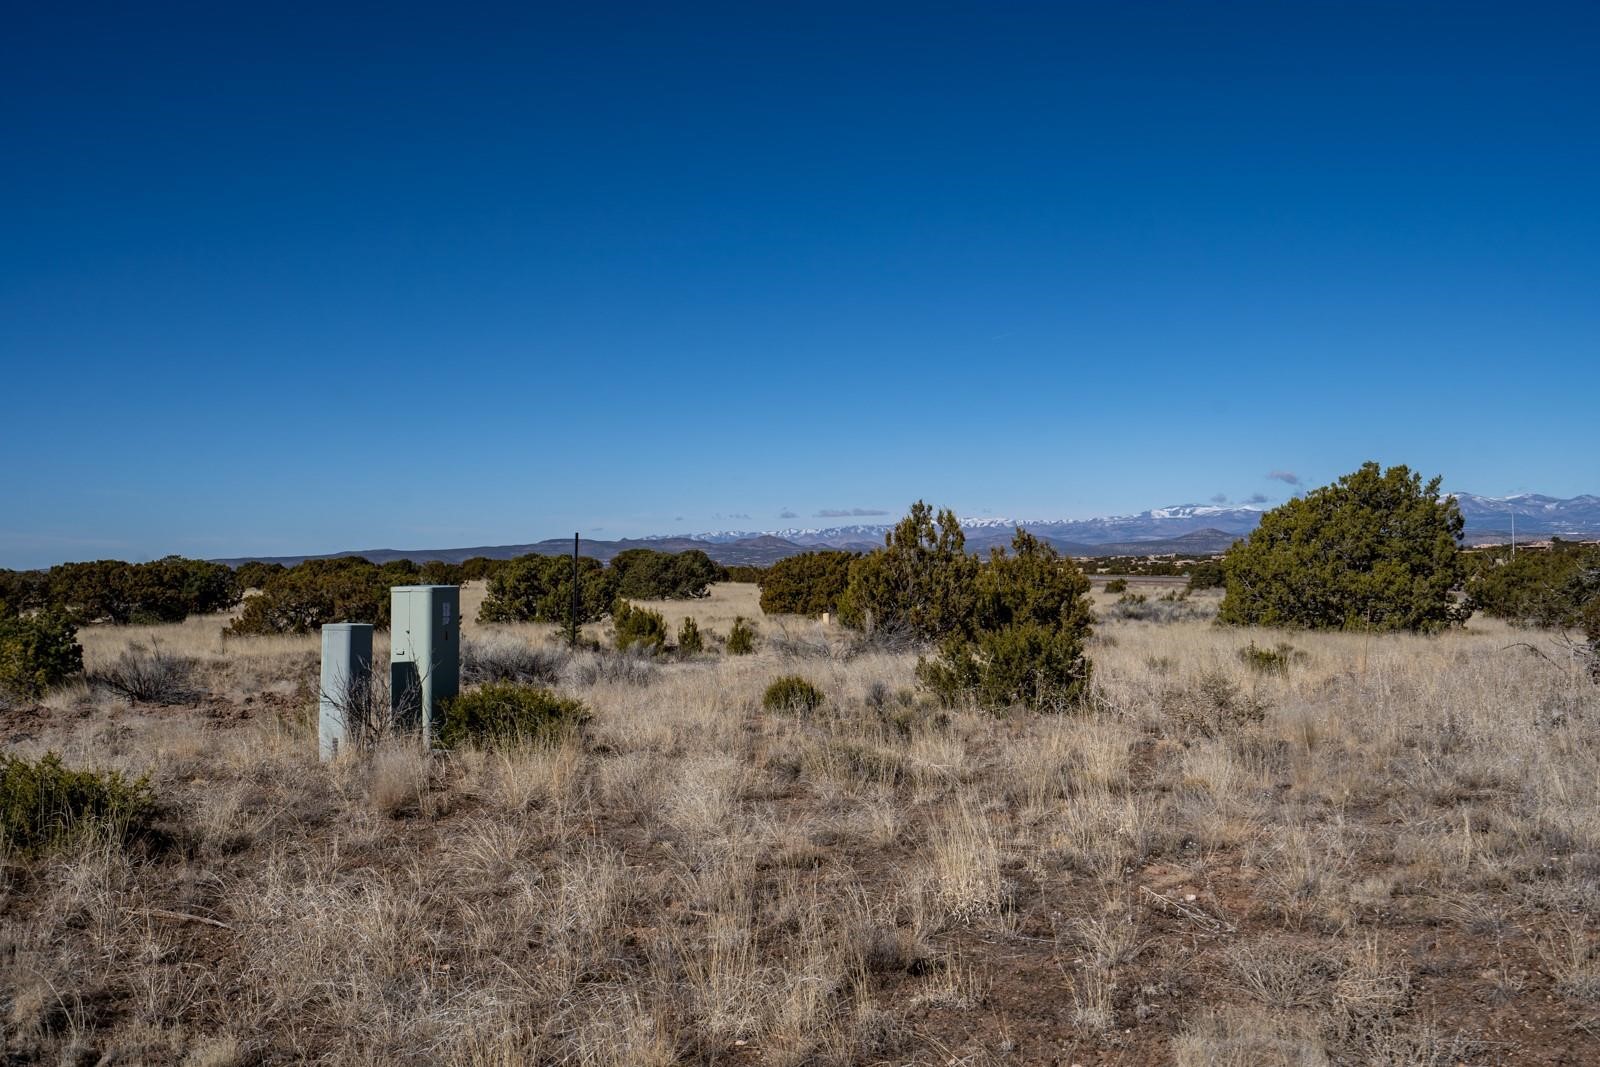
column 1202, row 863
column 147, row 673
column 1117, row 585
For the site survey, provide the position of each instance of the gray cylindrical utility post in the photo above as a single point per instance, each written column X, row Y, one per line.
column 344, row 705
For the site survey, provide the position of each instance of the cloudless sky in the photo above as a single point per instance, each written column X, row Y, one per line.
column 285, row 278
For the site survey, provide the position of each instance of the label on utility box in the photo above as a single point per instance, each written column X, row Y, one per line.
column 445, row 609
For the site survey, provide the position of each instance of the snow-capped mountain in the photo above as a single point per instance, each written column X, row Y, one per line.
column 1155, row 524
column 1490, row 517
column 1487, row 519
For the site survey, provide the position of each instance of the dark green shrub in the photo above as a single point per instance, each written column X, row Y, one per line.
column 44, row 805
column 256, row 574
column 638, row 627
column 37, row 652
column 506, row 714
column 1206, row 574
column 808, row 584
column 645, row 574
column 921, row 581
column 1591, row 636
column 792, row 693
column 164, row 590
column 1269, row 660
column 1024, row 640
column 536, row 588
column 741, row 638
column 22, row 591
column 318, row 591
column 1376, row 550
column 741, row 572
column 1549, row 587
column 1117, row 585
column 689, row 640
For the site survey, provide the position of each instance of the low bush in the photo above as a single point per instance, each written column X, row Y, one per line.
column 508, row 659
column 1215, row 705
column 741, row 638
column 628, row 668
column 503, row 714
column 1024, row 642
column 44, row 805
column 147, row 674
column 1269, row 660
column 793, row 694
column 638, row 627
column 1117, row 585
column 1030, row 664
column 690, row 642
column 37, row 652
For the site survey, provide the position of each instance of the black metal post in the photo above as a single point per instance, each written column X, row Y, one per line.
column 572, row 632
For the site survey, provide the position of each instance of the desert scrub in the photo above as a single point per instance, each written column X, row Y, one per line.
column 742, row 638
column 638, row 627
column 504, row 658
column 505, row 714
column 1117, row 585
column 792, row 693
column 1270, row 660
column 37, row 653
column 689, row 640
column 148, row 674
column 44, row 805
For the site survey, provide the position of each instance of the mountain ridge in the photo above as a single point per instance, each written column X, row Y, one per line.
column 1199, row 529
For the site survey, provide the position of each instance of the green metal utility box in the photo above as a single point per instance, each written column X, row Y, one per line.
column 424, row 654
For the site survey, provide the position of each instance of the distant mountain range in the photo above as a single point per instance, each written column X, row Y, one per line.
column 1187, row 529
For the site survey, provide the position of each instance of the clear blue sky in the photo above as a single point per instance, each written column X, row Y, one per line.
column 278, row 280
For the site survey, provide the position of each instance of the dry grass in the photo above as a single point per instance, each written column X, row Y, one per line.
column 1388, row 853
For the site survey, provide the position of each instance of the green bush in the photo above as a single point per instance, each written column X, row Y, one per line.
column 37, row 652
column 645, row 574
column 503, row 713
column 1536, row 587
column 304, row 597
column 921, row 581
column 1376, row 550
column 741, row 638
column 689, row 640
column 808, row 584
column 792, row 693
column 741, row 572
column 164, row 590
column 1117, row 585
column 256, row 574
column 44, row 805
column 638, row 627
column 537, row 588
column 1024, row 641
column 1206, row 574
